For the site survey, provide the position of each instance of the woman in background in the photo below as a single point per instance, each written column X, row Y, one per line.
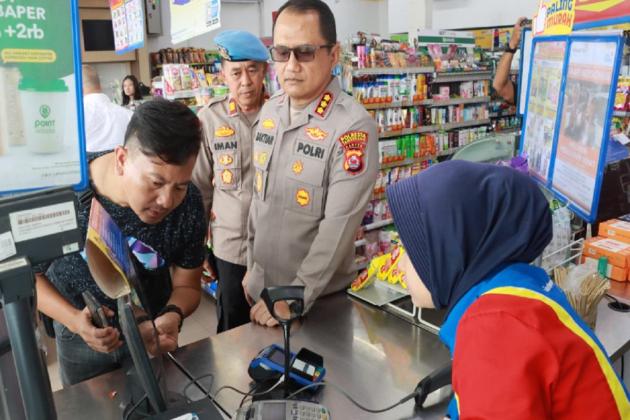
column 131, row 96
column 519, row 350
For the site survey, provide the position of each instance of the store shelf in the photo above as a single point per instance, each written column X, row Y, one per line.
column 406, row 162
column 396, row 287
column 378, row 225
column 398, row 104
column 502, row 114
column 508, row 130
column 462, row 76
column 457, row 101
column 463, row 124
column 391, row 70
column 621, row 114
column 159, row 66
column 181, row 94
column 404, row 132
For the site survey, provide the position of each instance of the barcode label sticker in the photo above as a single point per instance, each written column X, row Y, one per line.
column 43, row 221
column 7, row 246
column 73, row 247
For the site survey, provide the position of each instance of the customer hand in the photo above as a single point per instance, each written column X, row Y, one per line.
column 248, row 298
column 103, row 340
column 515, row 39
column 259, row 314
column 167, row 329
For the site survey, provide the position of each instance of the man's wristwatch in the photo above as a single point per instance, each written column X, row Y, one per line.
column 177, row 310
column 510, row 50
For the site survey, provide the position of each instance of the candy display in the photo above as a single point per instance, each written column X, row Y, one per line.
column 383, row 268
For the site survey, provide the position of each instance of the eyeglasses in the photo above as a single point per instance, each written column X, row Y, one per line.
column 303, row 53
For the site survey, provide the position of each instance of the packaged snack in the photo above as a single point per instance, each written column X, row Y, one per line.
column 617, row 252
column 615, row 229
column 363, row 281
column 186, row 77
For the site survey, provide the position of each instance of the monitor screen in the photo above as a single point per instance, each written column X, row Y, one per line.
column 98, row 35
column 139, row 355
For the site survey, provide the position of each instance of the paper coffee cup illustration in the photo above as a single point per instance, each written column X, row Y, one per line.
column 43, row 112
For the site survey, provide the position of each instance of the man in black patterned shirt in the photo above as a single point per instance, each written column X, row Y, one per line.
column 145, row 187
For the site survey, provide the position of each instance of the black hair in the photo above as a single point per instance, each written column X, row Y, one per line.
column 327, row 26
column 166, row 129
column 137, row 94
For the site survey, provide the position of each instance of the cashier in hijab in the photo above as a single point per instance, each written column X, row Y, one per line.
column 519, row 351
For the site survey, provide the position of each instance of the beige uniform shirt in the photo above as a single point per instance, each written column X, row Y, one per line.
column 226, row 157
column 313, row 179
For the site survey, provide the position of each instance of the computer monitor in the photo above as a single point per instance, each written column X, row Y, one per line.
column 204, row 409
column 139, row 355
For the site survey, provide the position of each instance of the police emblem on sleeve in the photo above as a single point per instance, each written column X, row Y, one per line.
column 353, row 144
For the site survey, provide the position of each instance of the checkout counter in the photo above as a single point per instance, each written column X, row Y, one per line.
column 375, row 356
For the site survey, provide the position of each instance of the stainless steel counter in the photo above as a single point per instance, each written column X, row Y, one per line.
column 104, row 397
column 375, row 356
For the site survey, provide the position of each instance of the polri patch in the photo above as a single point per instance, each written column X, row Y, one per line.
column 353, row 144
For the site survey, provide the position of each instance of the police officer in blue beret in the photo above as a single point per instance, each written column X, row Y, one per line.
column 224, row 170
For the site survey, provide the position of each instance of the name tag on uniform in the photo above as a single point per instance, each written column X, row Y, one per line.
column 264, row 138
column 310, row 150
column 225, row 145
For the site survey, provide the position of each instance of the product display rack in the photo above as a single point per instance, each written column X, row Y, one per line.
column 433, row 82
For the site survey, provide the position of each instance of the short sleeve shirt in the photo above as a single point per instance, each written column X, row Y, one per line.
column 176, row 240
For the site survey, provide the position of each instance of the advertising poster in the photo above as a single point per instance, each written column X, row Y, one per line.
column 544, row 94
column 40, row 136
column 583, row 123
column 596, row 13
column 554, row 17
column 190, row 18
column 128, row 24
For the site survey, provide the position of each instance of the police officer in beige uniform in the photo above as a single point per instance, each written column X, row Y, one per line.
column 224, row 172
column 315, row 159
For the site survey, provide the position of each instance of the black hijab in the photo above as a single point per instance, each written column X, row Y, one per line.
column 461, row 221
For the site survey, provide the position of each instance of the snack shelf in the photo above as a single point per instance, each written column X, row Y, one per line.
column 468, row 76
column 391, row 70
column 457, row 101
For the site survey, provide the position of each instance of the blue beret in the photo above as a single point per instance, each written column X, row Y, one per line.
column 241, row 46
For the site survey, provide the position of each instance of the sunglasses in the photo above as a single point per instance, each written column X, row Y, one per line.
column 303, row 53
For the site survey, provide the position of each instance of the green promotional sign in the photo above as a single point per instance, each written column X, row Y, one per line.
column 41, row 132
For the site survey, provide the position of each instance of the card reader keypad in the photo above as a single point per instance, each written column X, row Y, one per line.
column 306, row 411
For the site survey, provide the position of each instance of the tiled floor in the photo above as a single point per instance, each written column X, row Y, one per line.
column 201, row 324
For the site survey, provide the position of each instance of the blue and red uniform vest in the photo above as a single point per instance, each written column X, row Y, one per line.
column 521, row 352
